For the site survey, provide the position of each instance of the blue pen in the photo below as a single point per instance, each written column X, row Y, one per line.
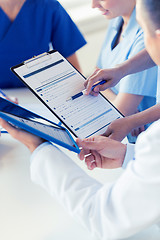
column 3, row 131
column 3, row 94
column 81, row 93
column 99, row 83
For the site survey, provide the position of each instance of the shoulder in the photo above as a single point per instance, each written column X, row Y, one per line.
column 52, row 8
column 47, row 3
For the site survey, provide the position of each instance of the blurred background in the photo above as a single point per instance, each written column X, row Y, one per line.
column 28, row 212
column 92, row 25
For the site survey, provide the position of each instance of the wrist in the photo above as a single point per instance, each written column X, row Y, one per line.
column 135, row 120
column 125, row 68
column 119, row 152
column 34, row 145
column 122, row 70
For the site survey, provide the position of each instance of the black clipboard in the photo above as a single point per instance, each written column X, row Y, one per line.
column 29, row 73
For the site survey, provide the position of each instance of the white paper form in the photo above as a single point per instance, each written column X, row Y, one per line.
column 55, row 80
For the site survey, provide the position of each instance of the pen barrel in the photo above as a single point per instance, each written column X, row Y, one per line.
column 77, row 95
column 99, row 83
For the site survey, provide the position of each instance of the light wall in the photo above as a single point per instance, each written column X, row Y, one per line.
column 93, row 26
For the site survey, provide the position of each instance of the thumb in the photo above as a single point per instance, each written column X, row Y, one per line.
column 106, row 85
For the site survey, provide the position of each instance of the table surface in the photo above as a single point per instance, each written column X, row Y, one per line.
column 28, row 212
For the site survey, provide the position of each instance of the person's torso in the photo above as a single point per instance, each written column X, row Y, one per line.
column 38, row 24
column 111, row 56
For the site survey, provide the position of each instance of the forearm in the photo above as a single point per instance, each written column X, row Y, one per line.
column 127, row 103
column 73, row 59
column 109, row 94
column 145, row 117
column 138, row 63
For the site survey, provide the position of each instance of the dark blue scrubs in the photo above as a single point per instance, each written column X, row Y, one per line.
column 39, row 23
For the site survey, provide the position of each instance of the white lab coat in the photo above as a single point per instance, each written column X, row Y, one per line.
column 113, row 210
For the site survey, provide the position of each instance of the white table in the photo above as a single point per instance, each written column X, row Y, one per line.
column 27, row 212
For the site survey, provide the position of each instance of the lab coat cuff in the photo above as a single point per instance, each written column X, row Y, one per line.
column 129, row 154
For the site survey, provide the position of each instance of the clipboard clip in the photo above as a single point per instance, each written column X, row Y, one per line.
column 37, row 59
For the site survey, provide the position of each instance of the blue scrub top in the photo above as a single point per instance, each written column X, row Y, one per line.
column 142, row 83
column 39, row 23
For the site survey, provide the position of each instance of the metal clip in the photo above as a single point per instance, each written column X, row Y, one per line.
column 32, row 61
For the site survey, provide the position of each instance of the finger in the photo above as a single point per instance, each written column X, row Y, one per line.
column 87, row 143
column 92, row 166
column 83, row 153
column 94, row 160
column 89, row 159
column 135, row 132
column 90, row 83
column 93, row 93
column 96, row 89
column 142, row 128
column 85, row 83
column 109, row 83
column 7, row 126
column 90, row 162
column 102, row 87
column 92, row 75
column 97, row 77
column 13, row 131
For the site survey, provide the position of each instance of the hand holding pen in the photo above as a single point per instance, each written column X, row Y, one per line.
column 106, row 78
column 84, row 91
column 110, row 76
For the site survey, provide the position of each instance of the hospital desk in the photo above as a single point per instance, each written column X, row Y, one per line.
column 27, row 212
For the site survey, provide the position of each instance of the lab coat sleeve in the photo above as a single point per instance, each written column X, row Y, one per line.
column 129, row 155
column 110, row 211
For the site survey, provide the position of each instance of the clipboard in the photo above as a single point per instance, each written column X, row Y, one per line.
column 53, row 80
column 35, row 124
